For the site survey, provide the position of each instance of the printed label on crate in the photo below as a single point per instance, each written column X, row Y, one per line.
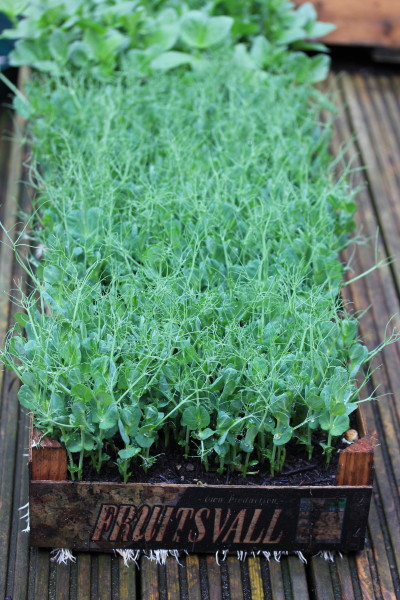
column 187, row 525
column 197, row 519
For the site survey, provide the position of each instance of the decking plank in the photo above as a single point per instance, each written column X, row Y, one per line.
column 345, row 579
column 298, row 578
column 386, row 415
column 83, row 575
column 173, row 585
column 214, row 578
column 276, row 579
column 42, row 568
column 256, row 583
column 235, row 579
column 104, row 577
column 321, row 577
column 126, row 581
column 378, row 286
column 193, row 577
column 149, row 580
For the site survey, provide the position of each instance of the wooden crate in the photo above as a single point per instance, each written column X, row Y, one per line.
column 361, row 22
column 100, row 516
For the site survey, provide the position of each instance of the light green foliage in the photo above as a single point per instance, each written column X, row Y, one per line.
column 190, row 281
column 95, row 34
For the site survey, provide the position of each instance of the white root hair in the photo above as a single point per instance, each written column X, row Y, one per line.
column 62, row 556
column 328, row 555
column 129, row 556
column 26, row 516
column 301, row 556
column 224, row 554
column 266, row 555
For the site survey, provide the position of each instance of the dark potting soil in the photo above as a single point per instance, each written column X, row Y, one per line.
column 172, row 467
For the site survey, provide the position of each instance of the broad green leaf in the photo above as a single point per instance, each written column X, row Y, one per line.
column 263, row 52
column 291, row 35
column 318, row 30
column 59, row 45
column 259, row 366
column 198, row 30
column 195, row 417
column 358, row 356
column 110, row 418
column 124, row 435
column 13, row 8
column 26, row 397
column 247, row 443
column 130, row 416
column 128, row 453
column 81, row 391
column 164, row 30
column 325, row 420
column 171, row 60
column 26, row 52
column 205, row 434
column 78, row 54
column 340, row 425
column 56, row 405
column 306, row 13
column 313, row 399
column 145, row 440
column 73, row 442
column 349, row 330
column 320, row 66
column 282, row 435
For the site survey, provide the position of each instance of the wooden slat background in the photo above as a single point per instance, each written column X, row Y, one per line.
column 372, row 113
column 361, row 22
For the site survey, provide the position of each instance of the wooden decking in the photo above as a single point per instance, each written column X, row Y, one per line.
column 372, row 113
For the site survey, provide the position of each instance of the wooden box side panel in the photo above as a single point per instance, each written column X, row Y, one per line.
column 47, row 458
column 105, row 517
column 361, row 22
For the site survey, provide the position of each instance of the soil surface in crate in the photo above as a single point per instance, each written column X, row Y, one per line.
column 172, row 467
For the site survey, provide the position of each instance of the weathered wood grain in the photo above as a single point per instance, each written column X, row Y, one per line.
column 48, row 458
column 84, row 574
column 355, row 463
column 173, row 584
column 298, row 578
column 62, row 582
column 127, row 581
column 9, row 410
column 214, row 578
column 235, row 578
column 360, row 23
column 149, row 580
column 276, row 578
column 321, row 578
column 104, row 577
column 344, row 575
column 378, row 290
column 193, row 577
column 256, row 583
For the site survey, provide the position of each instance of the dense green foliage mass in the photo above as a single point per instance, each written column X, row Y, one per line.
column 190, row 283
column 94, row 35
column 184, row 276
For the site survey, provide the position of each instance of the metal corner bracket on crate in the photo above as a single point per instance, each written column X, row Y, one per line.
column 100, row 516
